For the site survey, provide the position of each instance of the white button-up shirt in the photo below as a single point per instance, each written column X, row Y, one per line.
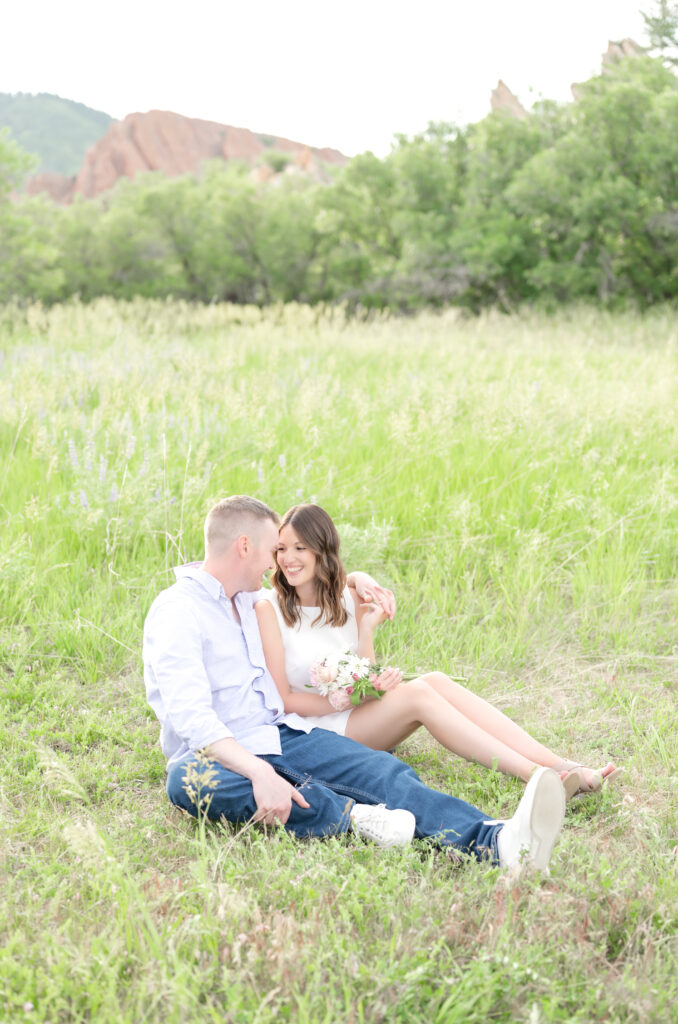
column 205, row 673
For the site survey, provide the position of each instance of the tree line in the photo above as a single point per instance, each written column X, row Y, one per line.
column 577, row 201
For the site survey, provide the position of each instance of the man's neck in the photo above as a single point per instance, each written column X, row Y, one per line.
column 221, row 573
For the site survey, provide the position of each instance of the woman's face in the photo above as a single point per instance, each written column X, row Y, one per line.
column 296, row 561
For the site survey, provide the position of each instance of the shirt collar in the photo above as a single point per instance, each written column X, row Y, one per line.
column 195, row 571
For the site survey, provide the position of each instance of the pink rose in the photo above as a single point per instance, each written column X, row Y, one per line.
column 349, row 690
column 340, row 700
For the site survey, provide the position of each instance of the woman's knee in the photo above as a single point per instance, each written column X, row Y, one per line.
column 435, row 678
column 446, row 687
column 416, row 695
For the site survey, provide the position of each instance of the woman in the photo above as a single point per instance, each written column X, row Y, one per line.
column 312, row 613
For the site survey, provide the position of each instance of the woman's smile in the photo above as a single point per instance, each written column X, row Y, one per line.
column 294, row 558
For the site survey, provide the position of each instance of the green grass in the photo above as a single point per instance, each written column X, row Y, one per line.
column 515, row 480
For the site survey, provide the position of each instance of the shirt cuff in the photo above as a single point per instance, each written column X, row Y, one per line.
column 222, row 734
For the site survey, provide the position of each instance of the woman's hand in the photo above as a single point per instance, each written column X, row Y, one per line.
column 388, row 679
column 372, row 615
column 368, row 590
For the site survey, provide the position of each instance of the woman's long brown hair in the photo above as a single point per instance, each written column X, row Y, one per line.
column 316, row 530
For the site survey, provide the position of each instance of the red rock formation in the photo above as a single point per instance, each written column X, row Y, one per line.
column 58, row 186
column 503, row 99
column 616, row 51
column 623, row 48
column 173, row 144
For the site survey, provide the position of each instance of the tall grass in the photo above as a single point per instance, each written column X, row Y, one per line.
column 515, row 480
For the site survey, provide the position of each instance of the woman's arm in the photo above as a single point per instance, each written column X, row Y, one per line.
column 274, row 652
column 368, row 618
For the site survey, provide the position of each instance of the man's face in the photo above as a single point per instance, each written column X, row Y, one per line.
column 261, row 556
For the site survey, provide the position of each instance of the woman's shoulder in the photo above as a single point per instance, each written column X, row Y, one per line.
column 267, row 608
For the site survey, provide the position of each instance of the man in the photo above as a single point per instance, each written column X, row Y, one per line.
column 234, row 753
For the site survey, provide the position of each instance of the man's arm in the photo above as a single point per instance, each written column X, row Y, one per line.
column 272, row 793
column 173, row 659
column 177, row 686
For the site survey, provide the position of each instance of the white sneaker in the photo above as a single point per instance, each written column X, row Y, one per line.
column 381, row 826
column 530, row 835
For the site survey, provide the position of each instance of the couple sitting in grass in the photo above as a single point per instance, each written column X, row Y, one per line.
column 228, row 671
column 313, row 612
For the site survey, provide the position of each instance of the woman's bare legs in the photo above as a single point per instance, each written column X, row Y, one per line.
column 497, row 724
column 459, row 719
column 491, row 720
column 384, row 723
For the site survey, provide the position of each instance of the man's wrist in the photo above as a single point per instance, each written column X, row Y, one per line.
column 260, row 770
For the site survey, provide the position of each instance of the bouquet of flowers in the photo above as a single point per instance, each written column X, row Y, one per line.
column 345, row 675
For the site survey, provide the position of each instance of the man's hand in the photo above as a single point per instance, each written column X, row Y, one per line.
column 274, row 796
column 369, row 590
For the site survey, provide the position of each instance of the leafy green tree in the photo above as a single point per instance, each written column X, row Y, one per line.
column 27, row 252
column 218, row 236
column 135, row 259
column 599, row 206
column 81, row 250
column 228, row 243
column 491, row 241
column 108, row 246
column 15, row 164
column 276, row 159
column 29, row 268
column 287, row 239
column 234, row 244
column 361, row 242
column 430, row 172
column 661, row 26
column 177, row 226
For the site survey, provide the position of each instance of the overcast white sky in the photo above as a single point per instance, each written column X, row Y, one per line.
column 342, row 73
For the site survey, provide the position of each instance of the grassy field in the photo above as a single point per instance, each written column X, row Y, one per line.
column 515, row 480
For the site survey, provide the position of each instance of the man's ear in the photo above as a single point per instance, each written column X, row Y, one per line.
column 243, row 545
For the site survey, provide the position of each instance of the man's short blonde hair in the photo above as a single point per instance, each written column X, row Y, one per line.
column 231, row 517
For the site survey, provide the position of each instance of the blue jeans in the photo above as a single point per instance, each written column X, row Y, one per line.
column 334, row 772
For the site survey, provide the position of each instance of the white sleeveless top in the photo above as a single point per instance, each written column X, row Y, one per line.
column 305, row 644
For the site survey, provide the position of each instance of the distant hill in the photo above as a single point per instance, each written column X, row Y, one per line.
column 58, row 131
